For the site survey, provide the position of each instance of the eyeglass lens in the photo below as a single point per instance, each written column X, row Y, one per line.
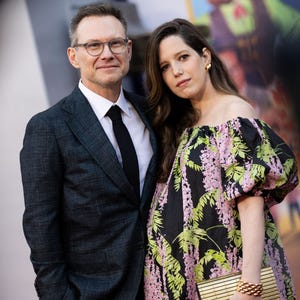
column 116, row 46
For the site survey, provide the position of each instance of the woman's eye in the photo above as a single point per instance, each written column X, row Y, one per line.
column 183, row 57
column 163, row 68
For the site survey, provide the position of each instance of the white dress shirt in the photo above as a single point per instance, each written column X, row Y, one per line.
column 137, row 129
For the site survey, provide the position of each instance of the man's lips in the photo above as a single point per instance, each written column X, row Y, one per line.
column 107, row 67
column 182, row 82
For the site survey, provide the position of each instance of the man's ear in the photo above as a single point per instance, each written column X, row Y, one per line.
column 72, row 55
column 129, row 49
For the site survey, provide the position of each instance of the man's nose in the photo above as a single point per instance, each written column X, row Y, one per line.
column 106, row 52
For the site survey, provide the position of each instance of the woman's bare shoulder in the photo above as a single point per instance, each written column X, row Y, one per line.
column 238, row 107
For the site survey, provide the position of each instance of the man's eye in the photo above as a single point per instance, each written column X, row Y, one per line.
column 94, row 45
column 116, row 43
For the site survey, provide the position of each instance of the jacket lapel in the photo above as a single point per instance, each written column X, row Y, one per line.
column 86, row 127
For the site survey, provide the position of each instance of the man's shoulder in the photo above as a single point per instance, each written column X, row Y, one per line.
column 56, row 111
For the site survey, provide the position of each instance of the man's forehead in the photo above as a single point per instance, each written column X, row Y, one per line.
column 96, row 27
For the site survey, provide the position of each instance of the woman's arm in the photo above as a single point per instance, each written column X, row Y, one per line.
column 251, row 210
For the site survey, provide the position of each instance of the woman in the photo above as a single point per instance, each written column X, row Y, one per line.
column 221, row 170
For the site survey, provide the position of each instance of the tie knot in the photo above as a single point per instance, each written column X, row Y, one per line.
column 114, row 113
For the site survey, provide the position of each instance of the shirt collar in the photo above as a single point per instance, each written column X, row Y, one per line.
column 101, row 104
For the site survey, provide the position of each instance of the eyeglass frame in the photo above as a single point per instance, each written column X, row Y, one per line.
column 103, row 44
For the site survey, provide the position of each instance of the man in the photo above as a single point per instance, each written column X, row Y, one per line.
column 84, row 219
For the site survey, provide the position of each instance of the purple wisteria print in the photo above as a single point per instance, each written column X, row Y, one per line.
column 194, row 228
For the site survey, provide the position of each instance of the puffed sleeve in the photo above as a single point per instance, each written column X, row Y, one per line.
column 256, row 162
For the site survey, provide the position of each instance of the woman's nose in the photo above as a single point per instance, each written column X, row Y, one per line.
column 177, row 71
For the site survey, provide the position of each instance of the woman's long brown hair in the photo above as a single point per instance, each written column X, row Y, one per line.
column 171, row 115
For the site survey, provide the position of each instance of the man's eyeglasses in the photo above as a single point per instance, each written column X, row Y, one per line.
column 116, row 46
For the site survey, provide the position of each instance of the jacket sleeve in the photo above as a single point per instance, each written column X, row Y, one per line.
column 42, row 178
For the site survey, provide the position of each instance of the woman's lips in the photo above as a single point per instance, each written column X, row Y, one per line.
column 182, row 82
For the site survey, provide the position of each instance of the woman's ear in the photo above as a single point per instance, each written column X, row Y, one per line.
column 206, row 54
column 205, row 51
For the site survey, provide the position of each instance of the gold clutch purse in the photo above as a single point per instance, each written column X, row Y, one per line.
column 223, row 287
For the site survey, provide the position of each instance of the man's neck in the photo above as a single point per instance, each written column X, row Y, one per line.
column 110, row 93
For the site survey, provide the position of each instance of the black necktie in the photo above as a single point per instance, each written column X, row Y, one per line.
column 129, row 158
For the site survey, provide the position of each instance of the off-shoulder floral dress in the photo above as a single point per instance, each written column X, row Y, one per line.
column 194, row 228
